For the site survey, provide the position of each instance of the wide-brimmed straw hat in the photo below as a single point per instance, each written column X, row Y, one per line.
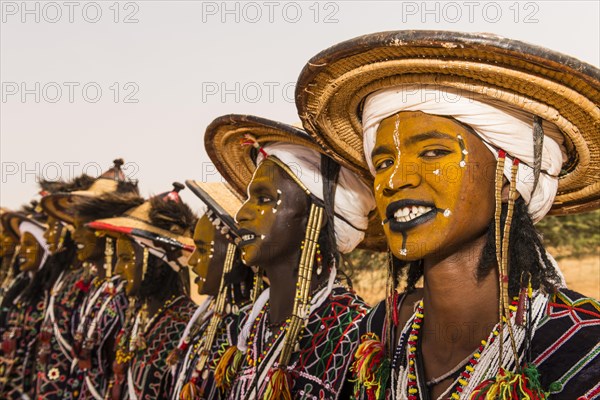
column 137, row 222
column 333, row 85
column 61, row 205
column 237, row 163
column 222, row 204
column 11, row 221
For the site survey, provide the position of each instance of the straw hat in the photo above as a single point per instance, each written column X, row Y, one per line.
column 236, row 163
column 11, row 221
column 138, row 222
column 558, row 88
column 222, row 203
column 61, row 205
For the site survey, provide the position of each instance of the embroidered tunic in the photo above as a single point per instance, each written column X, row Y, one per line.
column 100, row 318
column 225, row 337
column 148, row 376
column 17, row 358
column 565, row 348
column 318, row 368
column 57, row 335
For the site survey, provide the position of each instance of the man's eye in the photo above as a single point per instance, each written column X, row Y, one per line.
column 264, row 199
column 384, row 164
column 435, row 153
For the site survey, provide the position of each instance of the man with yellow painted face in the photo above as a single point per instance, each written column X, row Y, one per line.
column 28, row 298
column 302, row 211
column 226, row 282
column 100, row 318
column 154, row 244
column 8, row 247
column 471, row 139
column 58, row 349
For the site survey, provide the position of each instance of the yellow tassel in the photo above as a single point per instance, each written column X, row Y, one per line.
column 227, row 367
column 190, row 391
column 279, row 387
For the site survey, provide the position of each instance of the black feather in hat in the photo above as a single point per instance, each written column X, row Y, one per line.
column 108, row 205
column 169, row 212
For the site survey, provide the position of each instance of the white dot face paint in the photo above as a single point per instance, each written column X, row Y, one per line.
column 437, row 172
column 447, row 212
column 262, row 237
column 262, row 212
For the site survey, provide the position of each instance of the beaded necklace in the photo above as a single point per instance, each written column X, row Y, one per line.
column 459, row 386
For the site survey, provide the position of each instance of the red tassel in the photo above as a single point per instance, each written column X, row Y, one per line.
column 280, row 384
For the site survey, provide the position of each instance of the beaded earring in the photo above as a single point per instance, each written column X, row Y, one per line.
column 145, row 263
column 280, row 381
column 108, row 257
column 201, row 371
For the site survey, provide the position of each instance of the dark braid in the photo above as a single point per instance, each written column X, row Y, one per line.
column 527, row 253
column 330, row 171
column 241, row 278
column 161, row 281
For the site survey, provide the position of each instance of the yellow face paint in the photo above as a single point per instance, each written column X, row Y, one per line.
column 129, row 264
column 200, row 260
column 54, row 234
column 89, row 246
column 434, row 184
column 30, row 253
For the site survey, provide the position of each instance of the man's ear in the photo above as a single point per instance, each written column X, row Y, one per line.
column 506, row 189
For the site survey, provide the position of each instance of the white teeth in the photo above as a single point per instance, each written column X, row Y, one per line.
column 409, row 213
column 80, row 246
column 248, row 237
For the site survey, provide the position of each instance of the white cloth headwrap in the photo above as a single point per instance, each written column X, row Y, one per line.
column 353, row 198
column 38, row 233
column 499, row 125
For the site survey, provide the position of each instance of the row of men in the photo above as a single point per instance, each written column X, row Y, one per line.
column 97, row 306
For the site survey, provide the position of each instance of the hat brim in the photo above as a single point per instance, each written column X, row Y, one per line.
column 565, row 91
column 236, row 163
column 61, row 205
column 141, row 229
column 220, row 198
column 12, row 220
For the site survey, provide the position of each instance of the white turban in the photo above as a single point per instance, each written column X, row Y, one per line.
column 38, row 233
column 353, row 198
column 499, row 125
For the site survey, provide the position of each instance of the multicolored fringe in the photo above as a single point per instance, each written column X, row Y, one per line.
column 371, row 367
column 190, row 391
column 511, row 386
column 279, row 387
column 227, row 368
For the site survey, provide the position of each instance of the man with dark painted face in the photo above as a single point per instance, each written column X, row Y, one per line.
column 226, row 282
column 302, row 210
column 470, row 139
column 154, row 241
column 59, row 346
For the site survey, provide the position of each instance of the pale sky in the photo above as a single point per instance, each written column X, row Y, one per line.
column 86, row 82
